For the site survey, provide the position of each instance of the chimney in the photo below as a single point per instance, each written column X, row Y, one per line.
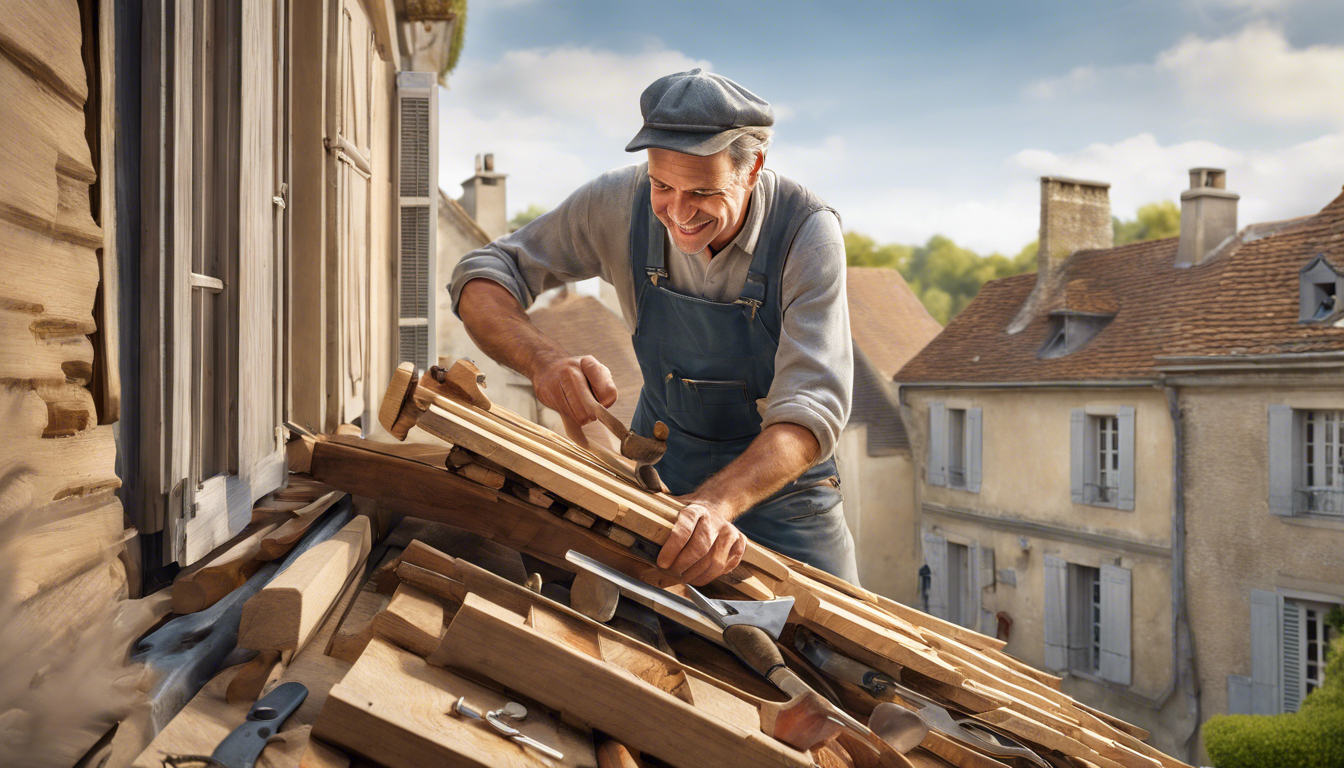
column 1208, row 216
column 1075, row 216
column 483, row 197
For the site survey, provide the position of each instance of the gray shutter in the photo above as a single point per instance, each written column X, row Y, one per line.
column 974, row 433
column 985, row 564
column 1265, row 636
column 1077, row 454
column 1115, row 624
column 1280, row 460
column 1290, row 668
column 1238, row 695
column 1056, row 616
column 418, row 201
column 1126, row 424
column 937, row 474
column 935, row 556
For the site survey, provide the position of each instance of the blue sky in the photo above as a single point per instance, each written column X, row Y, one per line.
column 923, row 117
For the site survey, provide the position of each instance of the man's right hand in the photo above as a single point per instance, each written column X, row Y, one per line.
column 565, row 384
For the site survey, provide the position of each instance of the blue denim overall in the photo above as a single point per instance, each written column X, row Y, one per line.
column 705, row 364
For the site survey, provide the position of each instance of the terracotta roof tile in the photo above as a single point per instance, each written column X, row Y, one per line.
column 1242, row 302
column 886, row 318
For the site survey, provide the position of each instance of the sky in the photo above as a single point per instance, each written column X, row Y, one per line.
column 921, row 117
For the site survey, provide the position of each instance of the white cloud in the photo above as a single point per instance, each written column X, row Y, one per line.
column 1255, row 75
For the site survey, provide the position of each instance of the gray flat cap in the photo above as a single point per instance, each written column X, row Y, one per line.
column 697, row 113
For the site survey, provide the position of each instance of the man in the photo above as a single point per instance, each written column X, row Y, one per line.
column 732, row 280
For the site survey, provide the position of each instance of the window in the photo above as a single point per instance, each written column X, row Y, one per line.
column 1087, row 619
column 1070, row 332
column 1289, row 636
column 1306, row 461
column 1320, row 287
column 1103, row 458
column 954, row 447
column 953, row 588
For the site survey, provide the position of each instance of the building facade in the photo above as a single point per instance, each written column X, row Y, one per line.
column 1129, row 460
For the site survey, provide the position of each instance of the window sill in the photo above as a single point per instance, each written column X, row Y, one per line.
column 1308, row 520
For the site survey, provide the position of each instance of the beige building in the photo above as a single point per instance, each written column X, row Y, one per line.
column 1130, row 461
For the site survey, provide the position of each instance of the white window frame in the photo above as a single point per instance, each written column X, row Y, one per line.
column 1102, row 488
column 1322, row 485
column 1111, row 487
column 956, row 448
column 1087, row 620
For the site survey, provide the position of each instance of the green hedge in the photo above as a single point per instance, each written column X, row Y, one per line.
column 1311, row 738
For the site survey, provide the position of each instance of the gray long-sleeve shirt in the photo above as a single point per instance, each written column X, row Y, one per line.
column 588, row 235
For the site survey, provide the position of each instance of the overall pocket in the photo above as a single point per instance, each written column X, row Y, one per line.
column 712, row 409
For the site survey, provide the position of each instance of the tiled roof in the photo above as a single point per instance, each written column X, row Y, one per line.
column 875, row 405
column 886, row 318
column 584, row 326
column 1243, row 301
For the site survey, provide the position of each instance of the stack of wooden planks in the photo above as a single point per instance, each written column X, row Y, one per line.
column 544, row 496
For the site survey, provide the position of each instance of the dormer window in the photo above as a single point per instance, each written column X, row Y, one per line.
column 1320, row 289
column 1070, row 332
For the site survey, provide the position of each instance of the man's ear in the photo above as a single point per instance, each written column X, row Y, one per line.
column 756, row 170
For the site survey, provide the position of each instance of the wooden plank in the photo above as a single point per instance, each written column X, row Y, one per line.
column 200, row 587
column 393, row 707
column 282, row 539
column 285, row 613
column 649, row 716
column 413, row 620
column 45, row 38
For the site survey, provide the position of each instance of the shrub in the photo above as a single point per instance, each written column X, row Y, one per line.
column 1311, row 738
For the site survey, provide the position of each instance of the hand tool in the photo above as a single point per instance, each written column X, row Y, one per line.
column 644, row 451
column 968, row 732
column 768, row 615
column 514, row 711
column 241, row 748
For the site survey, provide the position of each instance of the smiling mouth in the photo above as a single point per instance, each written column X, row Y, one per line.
column 693, row 230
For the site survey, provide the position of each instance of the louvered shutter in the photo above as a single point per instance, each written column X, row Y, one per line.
column 937, row 474
column 1280, row 460
column 1115, row 623
column 1056, row 615
column 935, row 556
column 1077, row 454
column 1290, row 667
column 418, row 201
column 974, row 434
column 1265, row 637
column 1126, row 425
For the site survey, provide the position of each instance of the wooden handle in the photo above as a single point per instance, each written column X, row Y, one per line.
column 753, row 646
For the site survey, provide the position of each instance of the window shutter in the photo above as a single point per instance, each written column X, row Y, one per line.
column 1126, row 424
column 1265, row 636
column 1056, row 617
column 1115, row 623
column 974, row 432
column 1077, row 454
column 1290, row 669
column 937, row 474
column 1238, row 695
column 1280, row 460
column 935, row 556
column 418, row 199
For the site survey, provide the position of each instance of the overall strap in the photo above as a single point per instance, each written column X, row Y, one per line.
column 791, row 206
column 647, row 239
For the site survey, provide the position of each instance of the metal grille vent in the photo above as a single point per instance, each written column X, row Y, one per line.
column 415, row 159
column 413, row 345
column 415, row 256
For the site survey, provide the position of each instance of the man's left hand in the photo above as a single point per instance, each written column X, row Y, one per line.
column 703, row 544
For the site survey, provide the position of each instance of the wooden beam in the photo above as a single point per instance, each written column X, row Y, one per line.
column 276, row 543
column 284, row 614
column 198, row 588
column 413, row 620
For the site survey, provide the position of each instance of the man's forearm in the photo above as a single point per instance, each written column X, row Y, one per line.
column 777, row 456
column 502, row 330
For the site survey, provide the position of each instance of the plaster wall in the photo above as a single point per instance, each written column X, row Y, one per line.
column 1234, row 544
column 880, row 508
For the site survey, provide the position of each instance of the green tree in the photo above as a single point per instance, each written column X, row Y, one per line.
column 863, row 251
column 1154, row 221
column 522, row 218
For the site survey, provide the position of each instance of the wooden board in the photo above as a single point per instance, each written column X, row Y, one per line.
column 412, row 620
column 276, row 543
column 634, row 693
column 284, row 614
column 200, row 587
column 394, row 708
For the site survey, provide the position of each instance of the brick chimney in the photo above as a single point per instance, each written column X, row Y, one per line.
column 1075, row 216
column 483, row 197
column 1208, row 216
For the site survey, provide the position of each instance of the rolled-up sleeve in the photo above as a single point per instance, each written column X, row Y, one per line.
column 551, row 250
column 814, row 366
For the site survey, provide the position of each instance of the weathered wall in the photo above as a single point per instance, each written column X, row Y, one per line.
column 1234, row 544
column 880, row 509
column 51, row 447
column 1025, row 494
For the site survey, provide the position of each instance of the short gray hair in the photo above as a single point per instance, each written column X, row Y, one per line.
column 743, row 150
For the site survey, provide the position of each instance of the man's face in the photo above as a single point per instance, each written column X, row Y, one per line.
column 700, row 200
